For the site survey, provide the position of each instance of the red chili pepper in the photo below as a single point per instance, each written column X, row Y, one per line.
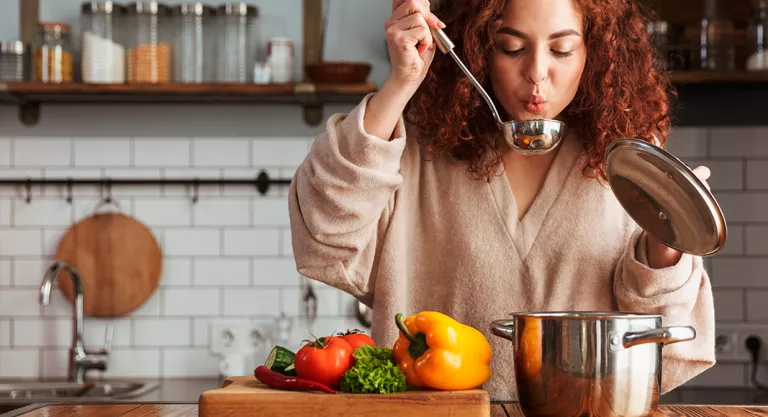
column 275, row 380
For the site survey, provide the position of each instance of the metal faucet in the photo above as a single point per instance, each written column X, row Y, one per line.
column 80, row 359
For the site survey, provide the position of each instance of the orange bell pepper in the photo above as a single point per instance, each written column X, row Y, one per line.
column 436, row 351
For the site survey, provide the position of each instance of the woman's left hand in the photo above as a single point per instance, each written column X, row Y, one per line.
column 660, row 255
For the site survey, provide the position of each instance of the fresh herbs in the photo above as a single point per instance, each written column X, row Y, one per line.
column 374, row 372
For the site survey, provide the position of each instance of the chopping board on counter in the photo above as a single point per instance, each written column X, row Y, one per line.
column 247, row 396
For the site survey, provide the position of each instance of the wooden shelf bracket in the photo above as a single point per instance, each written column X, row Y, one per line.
column 313, row 51
column 29, row 16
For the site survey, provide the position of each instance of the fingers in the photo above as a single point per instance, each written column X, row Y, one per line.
column 410, row 7
column 396, row 4
column 411, row 31
column 702, row 172
column 429, row 54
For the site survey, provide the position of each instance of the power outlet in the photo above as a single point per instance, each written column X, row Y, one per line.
column 230, row 336
column 730, row 342
column 726, row 345
column 265, row 334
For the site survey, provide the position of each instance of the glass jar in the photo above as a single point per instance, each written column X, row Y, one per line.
column 237, row 42
column 194, row 43
column 12, row 56
column 280, row 59
column 102, row 52
column 757, row 38
column 53, row 53
column 149, row 47
column 714, row 39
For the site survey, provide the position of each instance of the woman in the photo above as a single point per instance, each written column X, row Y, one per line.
column 413, row 202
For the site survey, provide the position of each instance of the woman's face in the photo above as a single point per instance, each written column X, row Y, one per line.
column 539, row 58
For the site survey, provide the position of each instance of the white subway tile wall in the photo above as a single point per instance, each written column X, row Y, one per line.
column 226, row 257
column 230, row 257
column 738, row 159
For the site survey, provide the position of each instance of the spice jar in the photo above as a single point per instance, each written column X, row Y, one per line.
column 237, row 42
column 280, row 59
column 194, row 42
column 53, row 53
column 149, row 48
column 12, row 54
column 103, row 42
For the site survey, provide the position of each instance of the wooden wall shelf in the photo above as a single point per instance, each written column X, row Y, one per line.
column 312, row 97
column 716, row 77
column 29, row 96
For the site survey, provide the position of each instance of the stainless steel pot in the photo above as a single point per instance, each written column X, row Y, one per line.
column 588, row 363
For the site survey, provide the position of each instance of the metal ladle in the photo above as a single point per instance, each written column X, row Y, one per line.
column 528, row 137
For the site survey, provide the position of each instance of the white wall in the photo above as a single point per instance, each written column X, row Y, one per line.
column 229, row 256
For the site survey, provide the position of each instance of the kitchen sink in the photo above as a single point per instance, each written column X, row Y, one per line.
column 18, row 394
column 57, row 390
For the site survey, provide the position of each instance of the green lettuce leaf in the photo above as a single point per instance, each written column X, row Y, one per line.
column 374, row 372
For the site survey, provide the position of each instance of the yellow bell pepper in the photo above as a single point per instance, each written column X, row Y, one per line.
column 436, row 351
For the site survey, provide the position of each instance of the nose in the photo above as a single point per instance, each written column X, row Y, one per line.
column 537, row 68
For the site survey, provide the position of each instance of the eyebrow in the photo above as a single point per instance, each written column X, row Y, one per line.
column 556, row 35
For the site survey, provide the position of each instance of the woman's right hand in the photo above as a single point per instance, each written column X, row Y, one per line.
column 410, row 43
column 411, row 49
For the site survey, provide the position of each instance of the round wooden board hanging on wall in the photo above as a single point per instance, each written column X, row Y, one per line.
column 118, row 259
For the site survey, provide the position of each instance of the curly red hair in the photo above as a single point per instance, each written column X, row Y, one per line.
column 623, row 92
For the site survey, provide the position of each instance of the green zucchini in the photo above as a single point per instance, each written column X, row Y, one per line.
column 280, row 359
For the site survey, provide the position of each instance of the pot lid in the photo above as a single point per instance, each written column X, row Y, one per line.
column 665, row 197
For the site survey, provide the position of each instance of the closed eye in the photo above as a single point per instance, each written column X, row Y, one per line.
column 559, row 54
column 514, row 52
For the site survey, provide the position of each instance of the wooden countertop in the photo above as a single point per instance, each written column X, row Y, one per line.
column 190, row 409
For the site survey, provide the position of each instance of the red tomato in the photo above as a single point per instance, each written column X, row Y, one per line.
column 357, row 339
column 325, row 360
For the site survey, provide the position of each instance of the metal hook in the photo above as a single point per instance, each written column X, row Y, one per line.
column 108, row 184
column 69, row 190
column 108, row 199
column 29, row 190
column 196, row 190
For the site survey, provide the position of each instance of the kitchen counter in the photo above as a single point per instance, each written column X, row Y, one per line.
column 190, row 409
column 176, row 392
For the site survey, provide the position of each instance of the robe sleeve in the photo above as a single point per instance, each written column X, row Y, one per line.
column 682, row 294
column 340, row 200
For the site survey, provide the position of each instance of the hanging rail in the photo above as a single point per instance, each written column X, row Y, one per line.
column 262, row 182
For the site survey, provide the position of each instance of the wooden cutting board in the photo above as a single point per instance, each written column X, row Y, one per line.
column 243, row 396
column 118, row 259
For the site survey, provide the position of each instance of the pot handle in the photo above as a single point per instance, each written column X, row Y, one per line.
column 664, row 335
column 504, row 328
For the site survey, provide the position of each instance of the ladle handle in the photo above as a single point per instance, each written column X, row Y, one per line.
column 445, row 46
column 444, row 43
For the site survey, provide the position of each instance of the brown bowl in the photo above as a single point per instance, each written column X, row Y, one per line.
column 338, row 72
